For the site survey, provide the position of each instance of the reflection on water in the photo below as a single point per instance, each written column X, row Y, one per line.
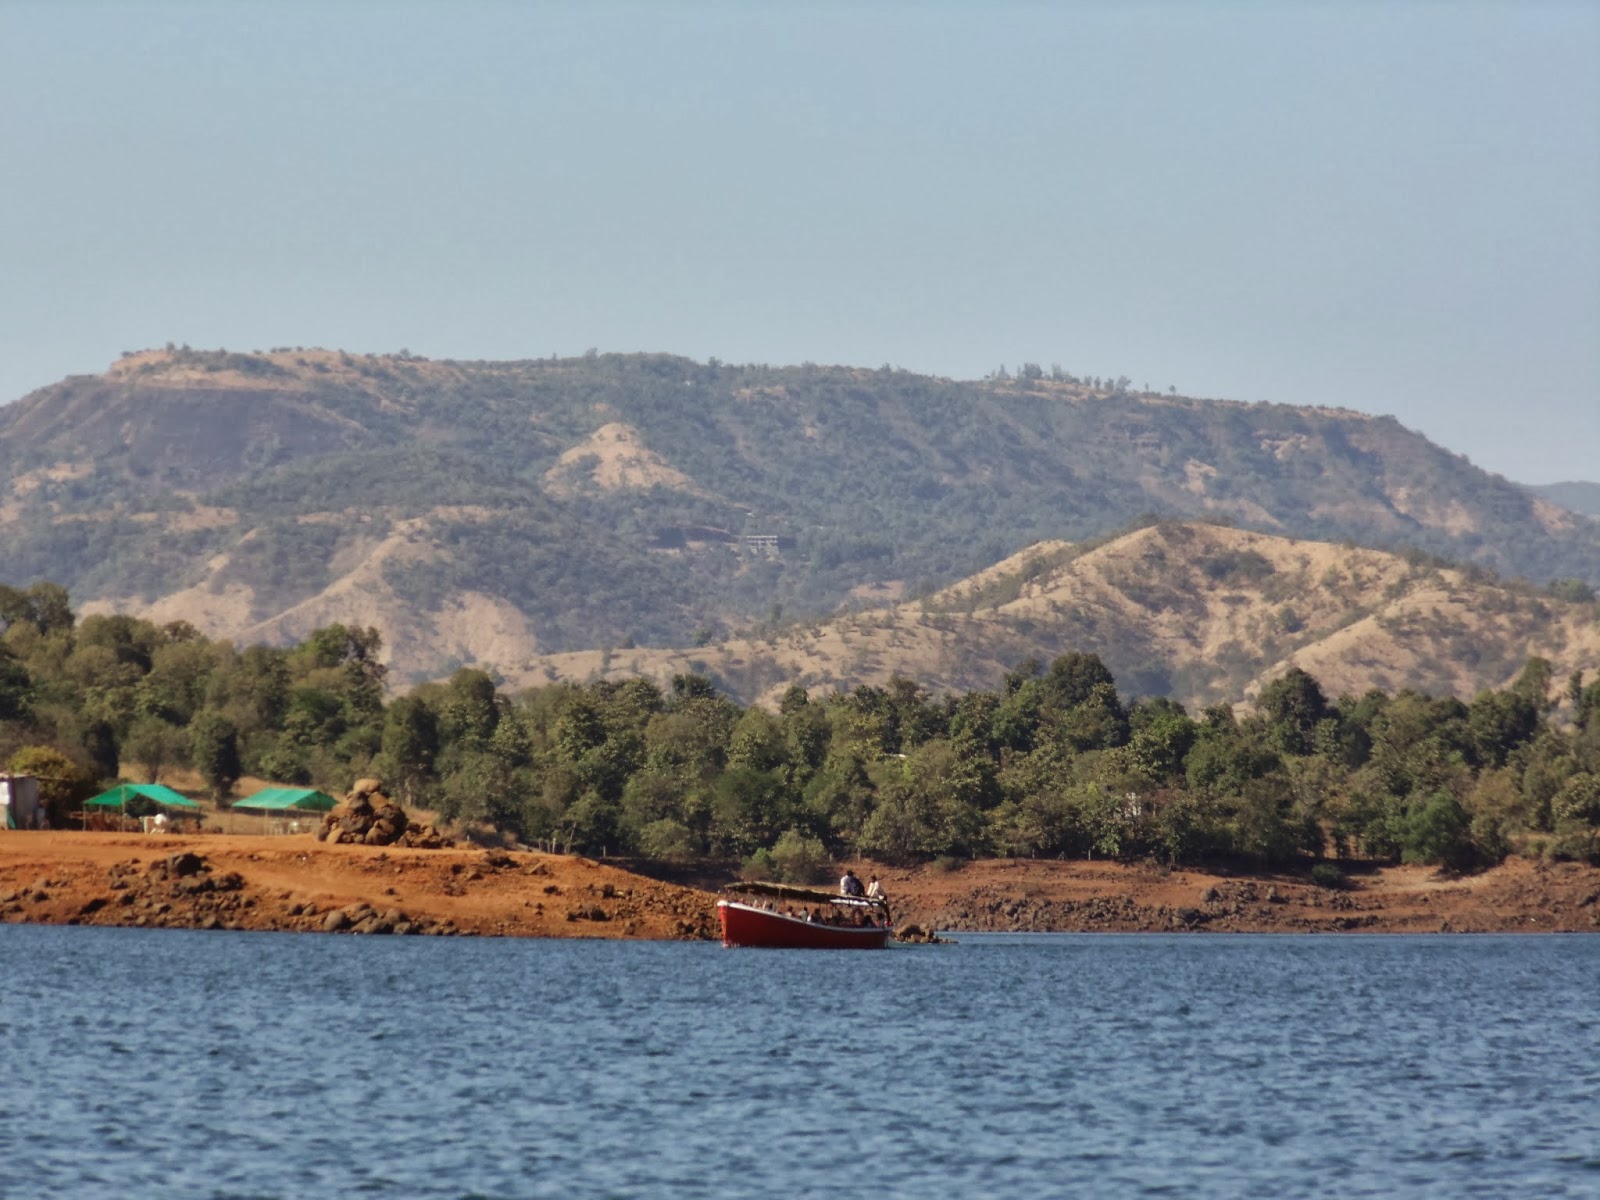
column 177, row 1064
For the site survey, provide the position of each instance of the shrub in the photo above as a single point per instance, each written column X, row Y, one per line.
column 667, row 840
column 1575, row 842
column 758, row 867
column 1437, row 832
column 1327, row 875
column 948, row 863
column 63, row 784
column 799, row 859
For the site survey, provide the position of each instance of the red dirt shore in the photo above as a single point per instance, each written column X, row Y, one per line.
column 296, row 883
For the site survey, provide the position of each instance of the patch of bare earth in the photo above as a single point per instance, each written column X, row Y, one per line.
column 615, row 457
column 297, row 884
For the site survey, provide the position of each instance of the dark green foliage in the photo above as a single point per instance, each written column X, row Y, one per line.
column 1327, row 875
column 1438, row 831
column 1052, row 763
column 16, row 689
column 410, row 744
column 1293, row 706
column 214, row 751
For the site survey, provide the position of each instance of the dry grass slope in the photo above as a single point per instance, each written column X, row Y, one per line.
column 1218, row 611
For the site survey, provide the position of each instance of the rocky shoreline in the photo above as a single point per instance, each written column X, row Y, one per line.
column 298, row 884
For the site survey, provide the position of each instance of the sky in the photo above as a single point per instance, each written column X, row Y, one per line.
column 1393, row 208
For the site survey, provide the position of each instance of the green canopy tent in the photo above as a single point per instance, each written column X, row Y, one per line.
column 285, row 802
column 162, row 796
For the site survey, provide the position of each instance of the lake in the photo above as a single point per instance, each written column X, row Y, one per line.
column 182, row 1064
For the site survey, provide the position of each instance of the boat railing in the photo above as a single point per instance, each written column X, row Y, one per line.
column 753, row 892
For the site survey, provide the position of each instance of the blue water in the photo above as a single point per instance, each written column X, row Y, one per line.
column 176, row 1064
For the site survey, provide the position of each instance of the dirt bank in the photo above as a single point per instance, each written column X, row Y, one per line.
column 297, row 883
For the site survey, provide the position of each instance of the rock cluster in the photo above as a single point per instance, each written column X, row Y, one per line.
column 367, row 816
column 181, row 890
column 362, row 918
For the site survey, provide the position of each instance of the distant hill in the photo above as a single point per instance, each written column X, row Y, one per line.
column 493, row 512
column 1576, row 496
column 1198, row 612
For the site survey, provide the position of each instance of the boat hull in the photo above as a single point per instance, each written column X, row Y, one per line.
column 747, row 925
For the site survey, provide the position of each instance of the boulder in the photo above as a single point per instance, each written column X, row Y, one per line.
column 179, row 865
column 391, row 814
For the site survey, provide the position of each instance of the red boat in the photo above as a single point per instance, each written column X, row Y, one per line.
column 778, row 916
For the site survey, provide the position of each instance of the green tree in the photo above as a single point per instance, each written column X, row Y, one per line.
column 153, row 744
column 469, row 710
column 1293, row 705
column 799, row 858
column 16, row 689
column 214, row 751
column 1499, row 722
column 410, row 743
column 63, row 784
column 1438, row 831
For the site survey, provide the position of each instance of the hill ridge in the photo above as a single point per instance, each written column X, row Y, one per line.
column 1203, row 613
column 248, row 483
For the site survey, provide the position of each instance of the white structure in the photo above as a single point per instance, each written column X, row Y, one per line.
column 20, row 806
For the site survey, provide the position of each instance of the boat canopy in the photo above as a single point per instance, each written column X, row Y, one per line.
column 804, row 895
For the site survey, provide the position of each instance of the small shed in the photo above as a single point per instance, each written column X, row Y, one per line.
column 20, row 804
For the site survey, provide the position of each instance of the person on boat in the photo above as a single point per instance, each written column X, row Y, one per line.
column 849, row 885
column 874, row 889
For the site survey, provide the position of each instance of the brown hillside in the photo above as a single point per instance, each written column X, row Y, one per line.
column 1212, row 612
column 490, row 513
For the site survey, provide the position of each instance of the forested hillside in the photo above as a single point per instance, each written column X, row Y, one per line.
column 478, row 512
column 1053, row 761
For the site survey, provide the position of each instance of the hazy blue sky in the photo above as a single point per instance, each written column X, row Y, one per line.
column 1392, row 208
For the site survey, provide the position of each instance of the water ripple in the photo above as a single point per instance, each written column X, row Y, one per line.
column 234, row 1066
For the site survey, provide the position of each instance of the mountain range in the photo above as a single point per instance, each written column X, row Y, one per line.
column 508, row 513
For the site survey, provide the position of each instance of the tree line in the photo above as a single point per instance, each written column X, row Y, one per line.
column 1054, row 762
